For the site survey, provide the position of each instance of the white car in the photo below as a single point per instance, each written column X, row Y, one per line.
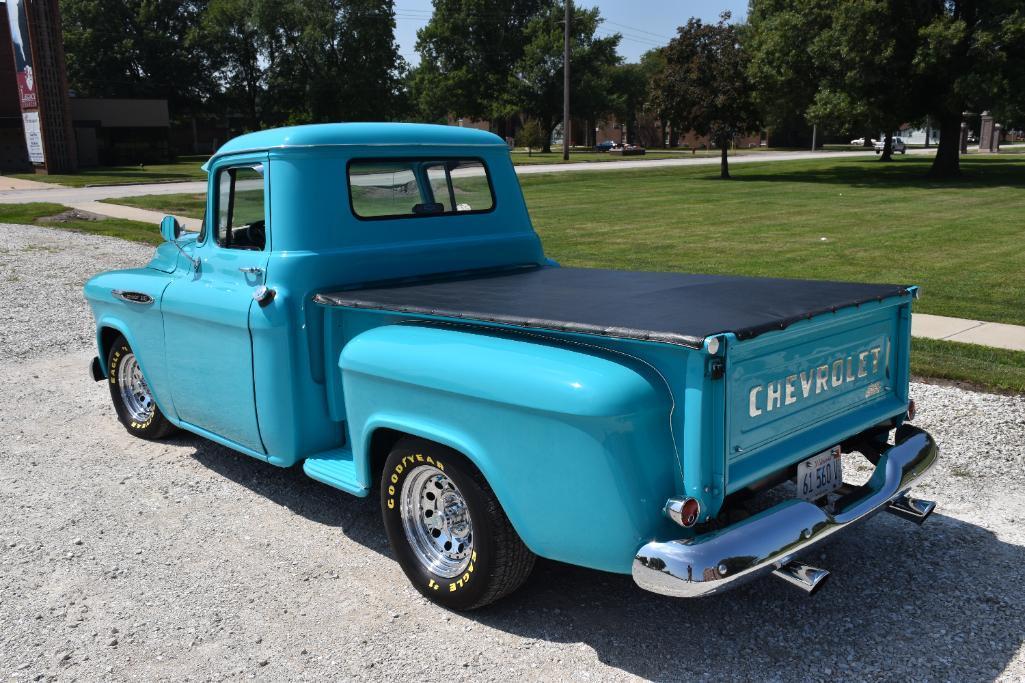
column 898, row 146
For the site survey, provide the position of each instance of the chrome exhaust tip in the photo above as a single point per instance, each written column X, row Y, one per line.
column 912, row 509
column 804, row 576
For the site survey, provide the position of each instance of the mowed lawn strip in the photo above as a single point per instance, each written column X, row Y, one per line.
column 982, row 367
column 36, row 213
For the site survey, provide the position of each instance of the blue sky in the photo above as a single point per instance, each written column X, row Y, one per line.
column 644, row 23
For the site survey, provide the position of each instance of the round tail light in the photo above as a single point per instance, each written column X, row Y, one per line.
column 683, row 511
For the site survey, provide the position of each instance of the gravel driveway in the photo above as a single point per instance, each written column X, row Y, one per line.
column 122, row 559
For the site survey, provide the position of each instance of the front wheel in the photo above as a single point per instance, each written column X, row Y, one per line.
column 131, row 395
column 447, row 529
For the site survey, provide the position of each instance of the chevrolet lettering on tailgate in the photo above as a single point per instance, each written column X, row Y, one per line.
column 813, row 381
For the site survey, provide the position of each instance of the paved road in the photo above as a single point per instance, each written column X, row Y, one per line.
column 76, row 195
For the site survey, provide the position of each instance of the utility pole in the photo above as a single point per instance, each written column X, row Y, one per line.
column 814, row 133
column 565, row 83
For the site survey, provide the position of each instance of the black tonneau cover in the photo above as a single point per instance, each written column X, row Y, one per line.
column 675, row 308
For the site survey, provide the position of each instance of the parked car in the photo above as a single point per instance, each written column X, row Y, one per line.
column 898, row 146
column 858, row 141
column 604, row 146
column 371, row 301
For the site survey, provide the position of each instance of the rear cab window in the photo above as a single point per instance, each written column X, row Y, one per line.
column 410, row 188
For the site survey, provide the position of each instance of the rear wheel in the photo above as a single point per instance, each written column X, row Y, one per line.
column 131, row 395
column 447, row 529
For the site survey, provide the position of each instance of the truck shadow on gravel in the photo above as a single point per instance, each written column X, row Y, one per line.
column 942, row 601
column 358, row 518
column 945, row 601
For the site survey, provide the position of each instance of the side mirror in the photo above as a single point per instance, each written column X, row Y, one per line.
column 170, row 228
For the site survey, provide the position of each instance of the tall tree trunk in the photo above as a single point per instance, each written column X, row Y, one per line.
column 887, row 154
column 724, row 164
column 868, row 140
column 947, row 162
column 546, row 146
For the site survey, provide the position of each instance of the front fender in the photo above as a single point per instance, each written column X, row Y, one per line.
column 574, row 441
column 140, row 324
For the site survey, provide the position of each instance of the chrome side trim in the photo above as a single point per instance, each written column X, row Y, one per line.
column 723, row 559
column 132, row 297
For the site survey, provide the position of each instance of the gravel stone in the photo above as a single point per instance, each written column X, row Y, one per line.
column 189, row 591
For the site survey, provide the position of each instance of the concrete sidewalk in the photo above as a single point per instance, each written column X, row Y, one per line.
column 134, row 214
column 997, row 335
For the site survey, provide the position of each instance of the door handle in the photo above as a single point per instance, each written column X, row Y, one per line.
column 251, row 270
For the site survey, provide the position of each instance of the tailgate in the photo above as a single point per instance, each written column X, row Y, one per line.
column 797, row 392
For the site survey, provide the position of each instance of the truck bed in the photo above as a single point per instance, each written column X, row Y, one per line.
column 673, row 308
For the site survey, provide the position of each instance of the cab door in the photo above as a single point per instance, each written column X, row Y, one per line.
column 206, row 307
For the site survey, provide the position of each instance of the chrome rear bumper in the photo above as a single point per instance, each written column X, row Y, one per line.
column 721, row 560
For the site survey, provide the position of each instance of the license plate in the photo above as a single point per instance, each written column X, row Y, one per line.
column 819, row 474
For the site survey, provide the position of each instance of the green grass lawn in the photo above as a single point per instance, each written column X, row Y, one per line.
column 36, row 213
column 963, row 240
column 977, row 366
column 185, row 168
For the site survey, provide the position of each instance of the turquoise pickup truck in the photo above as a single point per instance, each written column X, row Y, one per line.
column 371, row 302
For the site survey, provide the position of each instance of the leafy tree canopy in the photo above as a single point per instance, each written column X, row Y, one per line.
column 705, row 86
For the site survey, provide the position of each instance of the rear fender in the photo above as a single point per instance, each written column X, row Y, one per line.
column 575, row 442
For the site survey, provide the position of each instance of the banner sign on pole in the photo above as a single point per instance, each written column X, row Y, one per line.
column 33, row 137
column 23, row 65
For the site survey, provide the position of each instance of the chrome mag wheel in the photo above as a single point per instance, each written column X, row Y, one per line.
column 436, row 521
column 135, row 393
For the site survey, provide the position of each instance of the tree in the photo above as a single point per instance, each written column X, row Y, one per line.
column 781, row 68
column 138, row 48
column 467, row 50
column 861, row 57
column 886, row 62
column 530, row 135
column 971, row 55
column 237, row 28
column 630, row 91
column 535, row 86
column 333, row 60
column 659, row 98
column 706, row 84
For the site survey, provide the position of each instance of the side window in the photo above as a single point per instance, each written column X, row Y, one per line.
column 240, row 208
column 418, row 187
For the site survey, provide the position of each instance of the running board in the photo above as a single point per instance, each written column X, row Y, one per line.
column 335, row 468
column 804, row 576
column 912, row 509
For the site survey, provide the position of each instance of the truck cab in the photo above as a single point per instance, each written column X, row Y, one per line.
column 372, row 302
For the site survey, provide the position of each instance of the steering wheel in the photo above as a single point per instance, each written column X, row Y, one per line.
column 256, row 234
